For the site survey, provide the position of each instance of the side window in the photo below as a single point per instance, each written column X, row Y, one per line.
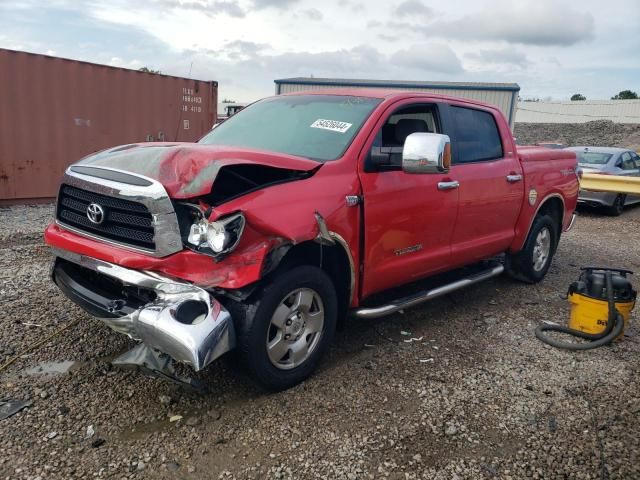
column 476, row 136
column 627, row 162
column 386, row 152
column 636, row 159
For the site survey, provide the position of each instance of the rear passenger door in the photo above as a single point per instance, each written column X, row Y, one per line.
column 491, row 185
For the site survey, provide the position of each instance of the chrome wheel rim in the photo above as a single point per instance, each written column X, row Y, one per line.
column 295, row 329
column 541, row 249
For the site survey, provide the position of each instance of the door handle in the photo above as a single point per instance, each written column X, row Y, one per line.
column 514, row 178
column 448, row 185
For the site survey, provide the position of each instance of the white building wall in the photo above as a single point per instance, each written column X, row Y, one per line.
column 618, row 111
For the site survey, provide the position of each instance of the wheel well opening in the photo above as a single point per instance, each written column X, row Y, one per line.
column 333, row 259
column 554, row 208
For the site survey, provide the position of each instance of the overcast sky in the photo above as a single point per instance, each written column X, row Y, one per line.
column 551, row 48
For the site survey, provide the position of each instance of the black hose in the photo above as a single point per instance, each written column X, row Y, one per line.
column 615, row 324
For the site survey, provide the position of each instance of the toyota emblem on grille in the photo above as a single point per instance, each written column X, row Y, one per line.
column 95, row 213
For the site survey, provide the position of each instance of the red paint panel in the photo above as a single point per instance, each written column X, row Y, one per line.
column 237, row 270
column 551, row 174
column 55, row 111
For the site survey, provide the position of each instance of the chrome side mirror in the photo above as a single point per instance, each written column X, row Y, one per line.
column 426, row 153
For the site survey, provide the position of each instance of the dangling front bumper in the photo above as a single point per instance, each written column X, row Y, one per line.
column 168, row 315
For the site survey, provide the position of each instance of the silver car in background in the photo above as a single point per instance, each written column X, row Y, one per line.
column 607, row 161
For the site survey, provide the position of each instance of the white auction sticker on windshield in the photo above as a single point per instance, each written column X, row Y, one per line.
column 332, row 125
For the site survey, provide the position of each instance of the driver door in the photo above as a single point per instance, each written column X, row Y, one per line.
column 408, row 218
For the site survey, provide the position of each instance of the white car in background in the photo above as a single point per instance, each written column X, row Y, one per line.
column 607, row 161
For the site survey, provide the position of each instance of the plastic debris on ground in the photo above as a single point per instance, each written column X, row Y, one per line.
column 413, row 339
column 11, row 407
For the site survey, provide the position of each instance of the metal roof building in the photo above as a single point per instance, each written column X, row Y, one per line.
column 503, row 95
column 618, row 111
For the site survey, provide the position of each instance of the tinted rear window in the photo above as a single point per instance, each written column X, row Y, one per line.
column 477, row 137
column 593, row 158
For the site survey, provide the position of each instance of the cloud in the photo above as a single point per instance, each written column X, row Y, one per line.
column 282, row 4
column 230, row 8
column 208, row 7
column 245, row 44
column 248, row 48
column 364, row 61
column 355, row 6
column 241, row 49
column 119, row 62
column 404, row 26
column 313, row 14
column 543, row 23
column 345, row 62
column 387, row 38
column 412, row 8
column 502, row 56
column 432, row 57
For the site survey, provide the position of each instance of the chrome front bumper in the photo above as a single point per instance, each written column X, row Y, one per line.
column 183, row 321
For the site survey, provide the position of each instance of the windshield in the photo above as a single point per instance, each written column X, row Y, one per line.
column 593, row 158
column 319, row 127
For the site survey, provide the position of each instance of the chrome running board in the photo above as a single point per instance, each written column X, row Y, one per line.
column 418, row 298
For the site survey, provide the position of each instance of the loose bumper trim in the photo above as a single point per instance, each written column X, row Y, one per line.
column 182, row 320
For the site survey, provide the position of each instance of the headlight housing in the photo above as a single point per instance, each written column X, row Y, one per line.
column 216, row 238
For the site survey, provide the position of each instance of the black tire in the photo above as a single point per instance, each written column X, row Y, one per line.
column 616, row 209
column 524, row 265
column 253, row 326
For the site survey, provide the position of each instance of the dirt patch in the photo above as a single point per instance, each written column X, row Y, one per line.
column 602, row 133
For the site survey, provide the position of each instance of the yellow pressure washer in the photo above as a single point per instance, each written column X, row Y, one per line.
column 601, row 303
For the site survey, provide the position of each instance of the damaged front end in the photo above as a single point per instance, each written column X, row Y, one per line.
column 143, row 242
column 173, row 317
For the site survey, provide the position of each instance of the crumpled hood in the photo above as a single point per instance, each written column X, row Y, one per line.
column 189, row 169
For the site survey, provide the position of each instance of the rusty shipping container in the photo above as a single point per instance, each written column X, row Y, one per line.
column 54, row 111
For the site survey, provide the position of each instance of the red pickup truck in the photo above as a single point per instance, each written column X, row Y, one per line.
column 292, row 214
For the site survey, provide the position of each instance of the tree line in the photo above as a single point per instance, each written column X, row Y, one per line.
column 622, row 95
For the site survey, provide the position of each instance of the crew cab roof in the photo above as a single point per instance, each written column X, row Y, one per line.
column 387, row 94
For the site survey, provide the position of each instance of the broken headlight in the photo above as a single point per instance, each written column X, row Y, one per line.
column 218, row 237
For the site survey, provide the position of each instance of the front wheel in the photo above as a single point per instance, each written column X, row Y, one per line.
column 531, row 264
column 284, row 332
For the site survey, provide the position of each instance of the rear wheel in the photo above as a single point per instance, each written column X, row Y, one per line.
column 618, row 205
column 531, row 264
column 284, row 332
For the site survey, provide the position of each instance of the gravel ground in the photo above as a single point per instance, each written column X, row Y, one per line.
column 602, row 133
column 476, row 396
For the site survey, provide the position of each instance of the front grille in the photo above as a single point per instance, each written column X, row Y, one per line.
column 125, row 221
